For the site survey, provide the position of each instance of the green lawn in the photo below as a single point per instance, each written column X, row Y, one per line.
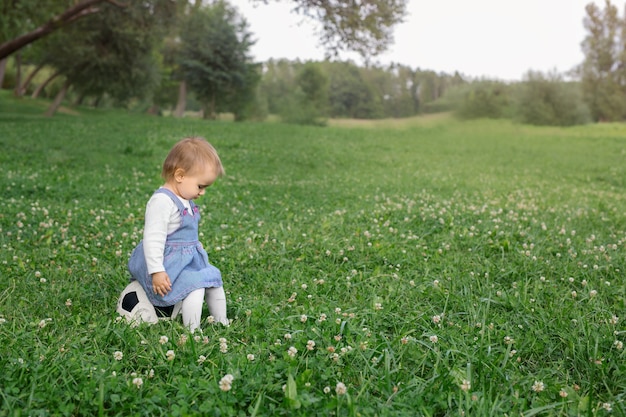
column 434, row 268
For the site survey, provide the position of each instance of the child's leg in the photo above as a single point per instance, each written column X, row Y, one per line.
column 216, row 300
column 192, row 309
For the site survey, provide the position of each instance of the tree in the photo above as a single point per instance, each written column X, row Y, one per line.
column 308, row 104
column 350, row 95
column 548, row 100
column 485, row 98
column 603, row 71
column 214, row 56
column 15, row 14
column 111, row 52
column 278, row 82
column 364, row 26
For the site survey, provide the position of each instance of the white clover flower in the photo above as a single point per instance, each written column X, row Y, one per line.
column 201, row 359
column 117, row 355
column 378, row 306
column 163, row 340
column 138, row 382
column 287, row 336
column 509, row 340
column 326, row 389
column 466, row 385
column 226, row 382
column 436, row 319
column 607, row 406
column 292, row 351
column 593, row 293
column 223, row 345
column 2, row 320
column 210, row 319
column 303, row 318
column 538, row 386
column 68, row 302
column 310, row 345
column 341, row 388
column 618, row 345
column 563, row 393
column 170, row 355
column 322, row 317
column 250, row 357
column 434, row 338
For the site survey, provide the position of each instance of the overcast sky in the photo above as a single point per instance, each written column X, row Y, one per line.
column 479, row 38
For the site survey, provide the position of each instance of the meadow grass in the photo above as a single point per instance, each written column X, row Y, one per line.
column 443, row 268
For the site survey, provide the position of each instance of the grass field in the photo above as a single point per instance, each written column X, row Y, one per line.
column 435, row 268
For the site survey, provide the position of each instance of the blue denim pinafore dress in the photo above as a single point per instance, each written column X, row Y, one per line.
column 185, row 260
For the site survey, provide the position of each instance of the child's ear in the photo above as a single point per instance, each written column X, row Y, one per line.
column 179, row 174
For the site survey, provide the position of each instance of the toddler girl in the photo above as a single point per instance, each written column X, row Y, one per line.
column 170, row 263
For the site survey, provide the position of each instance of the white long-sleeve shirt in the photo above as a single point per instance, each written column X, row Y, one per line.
column 162, row 218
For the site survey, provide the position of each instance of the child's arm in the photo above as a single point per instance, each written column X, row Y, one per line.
column 162, row 217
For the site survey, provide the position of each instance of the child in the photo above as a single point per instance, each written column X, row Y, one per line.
column 170, row 263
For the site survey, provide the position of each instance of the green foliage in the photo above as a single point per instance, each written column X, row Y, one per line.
column 350, row 95
column 482, row 99
column 447, row 268
column 365, row 27
column 308, row 104
column 549, row 101
column 603, row 71
column 110, row 52
column 214, row 56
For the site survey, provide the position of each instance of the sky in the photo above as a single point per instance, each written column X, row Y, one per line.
column 496, row 39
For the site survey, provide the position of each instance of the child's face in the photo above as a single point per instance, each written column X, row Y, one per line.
column 191, row 186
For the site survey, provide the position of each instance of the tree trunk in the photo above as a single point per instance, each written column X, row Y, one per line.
column 54, row 106
column 29, row 79
column 211, row 109
column 18, row 75
column 3, row 66
column 182, row 100
column 43, row 85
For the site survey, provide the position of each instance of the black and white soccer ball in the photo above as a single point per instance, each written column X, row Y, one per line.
column 136, row 308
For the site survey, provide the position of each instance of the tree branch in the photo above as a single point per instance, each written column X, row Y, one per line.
column 80, row 9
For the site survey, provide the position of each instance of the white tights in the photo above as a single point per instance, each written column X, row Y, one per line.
column 192, row 306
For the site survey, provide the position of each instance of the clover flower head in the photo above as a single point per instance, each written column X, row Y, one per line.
column 226, row 382
column 538, row 386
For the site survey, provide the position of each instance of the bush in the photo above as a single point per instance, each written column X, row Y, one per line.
column 482, row 99
column 549, row 101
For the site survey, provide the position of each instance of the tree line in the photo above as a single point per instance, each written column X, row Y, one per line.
column 166, row 56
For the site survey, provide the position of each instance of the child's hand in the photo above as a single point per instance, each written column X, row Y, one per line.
column 161, row 284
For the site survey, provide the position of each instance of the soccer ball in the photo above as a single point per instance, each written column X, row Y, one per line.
column 134, row 305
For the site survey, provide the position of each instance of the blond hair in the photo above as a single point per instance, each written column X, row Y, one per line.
column 191, row 154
